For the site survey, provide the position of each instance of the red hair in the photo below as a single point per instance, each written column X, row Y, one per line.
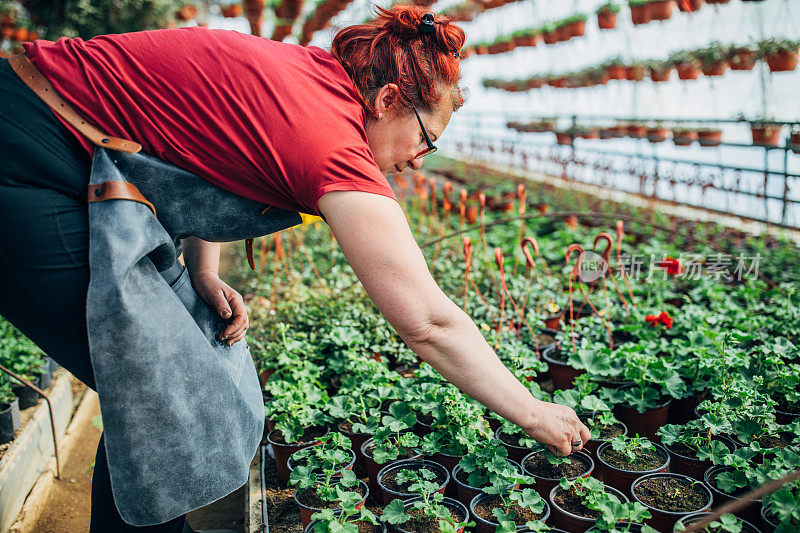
column 391, row 49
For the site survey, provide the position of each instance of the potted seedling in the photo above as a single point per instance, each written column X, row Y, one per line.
column 585, row 502
column 726, row 523
column 657, row 133
column 742, row 58
column 780, row 54
column 765, row 133
column 403, row 478
column 515, row 440
column 481, row 468
column 634, row 71
column 549, row 35
column 669, row 497
column 351, row 517
column 615, row 68
column 692, row 448
column 781, row 509
column 659, row 70
column 547, row 468
column 607, row 15
column 684, row 136
column 661, row 9
column 503, row 509
column 709, row 136
column 688, row 66
column 428, row 510
column 640, row 11
column 299, row 422
column 624, row 459
column 332, row 451
column 322, row 482
column 359, row 417
column 714, row 59
column 593, row 412
column 9, row 410
column 392, row 441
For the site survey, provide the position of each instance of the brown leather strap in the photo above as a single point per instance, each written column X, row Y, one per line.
column 248, row 248
column 34, row 79
column 117, row 190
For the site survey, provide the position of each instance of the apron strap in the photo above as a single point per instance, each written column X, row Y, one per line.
column 117, row 190
column 34, row 79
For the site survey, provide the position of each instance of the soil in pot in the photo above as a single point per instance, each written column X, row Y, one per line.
column 571, row 514
column 373, row 468
column 457, row 512
column 511, row 442
column 392, row 489
column 548, row 475
column 668, row 496
column 484, row 505
column 615, row 470
column 310, row 503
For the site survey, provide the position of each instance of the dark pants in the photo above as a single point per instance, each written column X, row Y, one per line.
column 44, row 247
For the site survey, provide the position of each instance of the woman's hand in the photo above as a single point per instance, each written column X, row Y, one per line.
column 558, row 427
column 226, row 301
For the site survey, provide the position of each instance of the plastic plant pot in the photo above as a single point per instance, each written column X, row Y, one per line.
column 380, row 528
column 570, row 521
column 692, row 466
column 709, row 137
column 606, row 20
column 664, row 520
column 543, row 484
column 467, row 492
column 27, row 397
column 766, row 135
column 561, row 373
column 374, row 468
column 447, row 502
column 715, row 69
column 623, row 479
column 645, row 424
column 640, row 14
column 357, row 439
column 553, row 322
column 751, row 513
column 684, row 138
column 692, row 518
column 486, row 526
column 783, row 61
column 593, row 444
column 689, row 70
column 661, row 9
column 291, row 463
column 284, row 450
column 415, row 464
column 307, row 511
column 10, row 421
column 448, row 461
column 515, row 452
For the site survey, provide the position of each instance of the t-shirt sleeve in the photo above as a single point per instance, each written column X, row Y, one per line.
column 350, row 168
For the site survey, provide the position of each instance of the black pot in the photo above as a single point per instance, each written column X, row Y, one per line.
column 46, row 378
column 689, row 519
column 389, row 494
column 447, row 502
column 663, row 520
column 751, row 513
column 485, row 526
column 27, row 397
column 10, row 421
column 623, row 479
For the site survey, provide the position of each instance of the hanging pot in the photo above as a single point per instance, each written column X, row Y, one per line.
column 640, row 14
column 766, row 135
column 661, row 9
column 783, row 61
column 606, row 20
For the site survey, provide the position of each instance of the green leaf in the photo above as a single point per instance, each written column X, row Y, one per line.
column 394, row 513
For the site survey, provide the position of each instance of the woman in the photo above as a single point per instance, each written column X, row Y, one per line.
column 295, row 128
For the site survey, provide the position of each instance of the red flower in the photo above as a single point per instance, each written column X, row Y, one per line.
column 672, row 266
column 663, row 319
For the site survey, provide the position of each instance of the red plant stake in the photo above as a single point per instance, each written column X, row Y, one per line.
column 467, row 265
column 607, row 256
column 620, row 235
column 521, row 211
column 498, row 258
column 575, row 274
column 462, row 208
column 498, row 255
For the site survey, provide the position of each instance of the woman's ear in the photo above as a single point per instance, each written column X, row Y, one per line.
column 387, row 98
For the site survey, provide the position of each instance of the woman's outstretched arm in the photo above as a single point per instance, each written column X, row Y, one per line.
column 377, row 242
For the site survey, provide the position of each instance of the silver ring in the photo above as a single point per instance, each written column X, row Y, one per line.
column 577, row 443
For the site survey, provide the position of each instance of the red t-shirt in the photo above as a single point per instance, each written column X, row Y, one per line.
column 274, row 122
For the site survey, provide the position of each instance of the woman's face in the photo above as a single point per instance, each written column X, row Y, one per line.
column 396, row 137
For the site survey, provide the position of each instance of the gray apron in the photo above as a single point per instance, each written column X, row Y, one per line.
column 182, row 411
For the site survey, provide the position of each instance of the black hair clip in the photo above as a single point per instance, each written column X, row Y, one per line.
column 426, row 24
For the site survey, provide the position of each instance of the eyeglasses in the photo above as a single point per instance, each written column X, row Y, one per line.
column 430, row 148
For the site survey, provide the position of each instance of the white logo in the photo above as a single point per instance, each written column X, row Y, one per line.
column 592, row 266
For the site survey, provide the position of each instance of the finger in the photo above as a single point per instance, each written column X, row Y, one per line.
column 565, row 449
column 238, row 335
column 586, row 435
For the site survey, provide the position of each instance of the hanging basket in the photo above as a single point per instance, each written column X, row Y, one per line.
column 783, row 61
column 690, row 70
column 606, row 20
column 766, row 135
column 743, row 59
column 660, row 75
column 715, row 69
column 661, row 9
column 640, row 14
